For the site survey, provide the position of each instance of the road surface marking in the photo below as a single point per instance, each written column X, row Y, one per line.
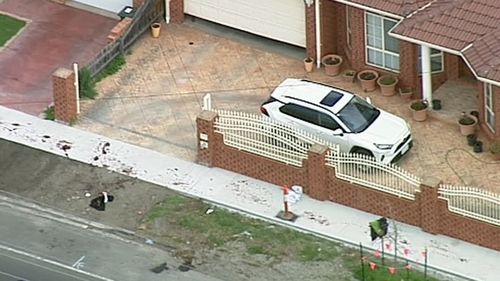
column 2, row 247
column 79, row 263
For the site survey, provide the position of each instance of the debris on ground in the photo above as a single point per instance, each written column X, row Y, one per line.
column 159, row 268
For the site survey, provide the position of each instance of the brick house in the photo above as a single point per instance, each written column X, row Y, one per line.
column 457, row 39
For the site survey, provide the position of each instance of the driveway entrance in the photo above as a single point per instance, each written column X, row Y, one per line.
column 56, row 36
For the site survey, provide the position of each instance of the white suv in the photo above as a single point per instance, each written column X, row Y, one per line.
column 340, row 117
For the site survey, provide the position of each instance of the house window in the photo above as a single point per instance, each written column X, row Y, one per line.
column 382, row 50
column 437, row 64
column 348, row 26
column 489, row 107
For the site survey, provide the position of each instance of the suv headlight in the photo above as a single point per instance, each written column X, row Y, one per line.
column 382, row 146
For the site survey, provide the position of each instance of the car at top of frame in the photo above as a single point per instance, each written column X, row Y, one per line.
column 340, row 117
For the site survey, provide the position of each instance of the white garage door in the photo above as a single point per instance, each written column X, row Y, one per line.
column 109, row 5
column 283, row 20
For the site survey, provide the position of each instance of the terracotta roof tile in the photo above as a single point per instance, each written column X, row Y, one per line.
column 396, row 7
column 451, row 24
column 456, row 24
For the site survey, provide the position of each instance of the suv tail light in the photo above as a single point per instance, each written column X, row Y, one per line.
column 263, row 110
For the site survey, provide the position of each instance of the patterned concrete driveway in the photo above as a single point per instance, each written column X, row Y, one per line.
column 154, row 100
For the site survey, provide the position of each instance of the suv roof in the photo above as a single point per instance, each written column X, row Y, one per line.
column 328, row 97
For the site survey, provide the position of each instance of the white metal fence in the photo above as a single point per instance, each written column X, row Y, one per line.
column 472, row 202
column 263, row 136
column 365, row 170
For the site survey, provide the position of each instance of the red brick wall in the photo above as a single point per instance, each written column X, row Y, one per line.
column 358, row 39
column 330, row 18
column 319, row 181
column 64, row 93
column 372, row 201
column 310, row 32
column 408, row 59
column 176, row 11
column 255, row 166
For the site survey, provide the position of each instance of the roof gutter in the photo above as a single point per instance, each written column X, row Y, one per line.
column 447, row 50
column 370, row 9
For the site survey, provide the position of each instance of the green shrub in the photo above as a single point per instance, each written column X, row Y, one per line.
column 495, row 147
column 113, row 67
column 86, row 84
column 419, row 105
column 49, row 113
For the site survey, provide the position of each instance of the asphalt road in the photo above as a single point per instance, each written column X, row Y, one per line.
column 15, row 267
column 37, row 232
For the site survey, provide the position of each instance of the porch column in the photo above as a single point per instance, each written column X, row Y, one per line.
column 426, row 74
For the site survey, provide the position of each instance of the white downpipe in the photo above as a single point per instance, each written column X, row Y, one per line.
column 167, row 11
column 77, row 90
column 318, row 33
column 426, row 74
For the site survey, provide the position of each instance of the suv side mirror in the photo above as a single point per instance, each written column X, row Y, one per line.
column 369, row 100
column 338, row 132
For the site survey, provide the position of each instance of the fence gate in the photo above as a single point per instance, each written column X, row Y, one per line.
column 151, row 11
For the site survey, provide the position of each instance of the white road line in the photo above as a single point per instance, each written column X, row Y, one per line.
column 2, row 247
column 13, row 276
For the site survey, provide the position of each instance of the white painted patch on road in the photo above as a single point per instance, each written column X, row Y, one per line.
column 79, row 263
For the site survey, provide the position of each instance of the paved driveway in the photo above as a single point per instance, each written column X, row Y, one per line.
column 56, row 36
column 154, row 100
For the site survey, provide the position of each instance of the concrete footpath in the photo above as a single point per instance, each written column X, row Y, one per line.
column 245, row 194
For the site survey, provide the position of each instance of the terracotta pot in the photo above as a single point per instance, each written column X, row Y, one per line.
column 332, row 64
column 418, row 114
column 387, row 85
column 406, row 93
column 308, row 64
column 349, row 75
column 155, row 30
column 368, row 80
column 468, row 129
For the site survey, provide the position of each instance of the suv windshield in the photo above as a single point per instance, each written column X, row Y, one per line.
column 357, row 115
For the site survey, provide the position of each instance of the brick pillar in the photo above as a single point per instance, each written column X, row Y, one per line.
column 430, row 206
column 358, row 38
column 176, row 11
column 310, row 32
column 408, row 75
column 205, row 136
column 317, row 173
column 64, row 91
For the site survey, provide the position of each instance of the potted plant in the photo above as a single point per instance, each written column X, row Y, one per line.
column 308, row 64
column 406, row 93
column 419, row 110
column 332, row 64
column 495, row 150
column 348, row 75
column 467, row 124
column 387, row 84
column 368, row 78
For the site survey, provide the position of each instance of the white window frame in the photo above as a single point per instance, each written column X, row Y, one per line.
column 348, row 26
column 489, row 106
column 383, row 51
column 435, row 55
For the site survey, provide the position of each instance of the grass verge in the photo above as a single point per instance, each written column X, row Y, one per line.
column 191, row 222
column 10, row 27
